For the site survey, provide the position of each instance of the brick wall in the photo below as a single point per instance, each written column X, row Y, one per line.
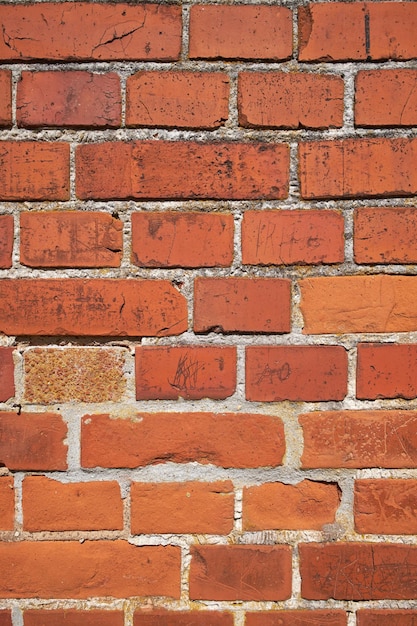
column 208, row 307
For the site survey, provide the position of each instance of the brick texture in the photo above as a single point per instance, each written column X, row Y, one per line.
column 367, row 617
column 7, row 389
column 6, row 241
column 182, row 618
column 6, row 505
column 5, row 98
column 385, row 235
column 386, row 506
column 385, row 98
column 68, row 617
column 386, row 371
column 296, row 618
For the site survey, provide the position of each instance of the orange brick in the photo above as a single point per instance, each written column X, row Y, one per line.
column 385, row 235
column 358, row 439
column 358, row 571
column 292, row 237
column 386, row 506
column 290, row 100
column 73, row 99
column 384, row 617
column 192, row 170
column 34, row 170
column 5, row 617
column 386, row 98
column 70, row 239
column 182, row 618
column 6, row 241
column 240, row 32
column 191, row 372
column 182, row 239
column 358, row 168
column 364, row 304
column 33, row 441
column 86, row 32
column 51, row 505
column 306, row 505
column 386, row 371
column 177, row 99
column 182, row 438
column 114, row 569
column 260, row 305
column 6, row 506
column 314, row 617
column 7, row 390
column 192, row 507
column 72, row 617
column 92, row 307
column 5, row 98
column 297, row 373
column 240, row 572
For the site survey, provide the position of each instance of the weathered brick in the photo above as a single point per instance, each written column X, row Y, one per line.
column 6, row 241
column 385, row 235
column 240, row 32
column 290, row 100
column 297, row 373
column 360, row 439
column 7, row 389
column 91, row 307
column 55, row 375
column 33, row 441
column 306, row 505
column 5, row 617
column 177, row 99
column 385, row 617
column 191, row 372
column 240, row 572
column 292, row 237
column 182, row 618
column 51, row 505
column 84, row 31
column 6, row 506
column 314, row 617
column 69, row 98
column 91, row 569
column 386, row 506
column 191, row 170
column 72, row 617
column 5, row 98
column 191, row 507
column 386, row 98
column 182, row 239
column 261, row 305
column 386, row 371
column 147, row 439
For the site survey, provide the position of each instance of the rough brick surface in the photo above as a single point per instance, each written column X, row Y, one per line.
column 7, row 389
column 386, row 371
column 147, row 439
column 192, row 372
column 5, row 98
column 386, row 98
column 74, row 99
column 360, row 439
column 6, row 505
column 182, row 239
column 292, row 237
column 5, row 617
column 315, row 617
column 51, row 505
column 298, row 373
column 190, row 507
column 177, row 99
column 386, row 506
column 383, row 617
column 280, row 100
column 182, row 618
column 72, row 617
column 6, row 241
column 385, row 235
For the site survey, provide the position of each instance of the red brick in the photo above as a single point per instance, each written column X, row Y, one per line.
column 70, row 239
column 385, row 617
column 7, row 390
column 386, row 98
column 34, row 170
column 297, row 373
column 358, row 571
column 276, row 506
column 6, row 506
column 5, row 618
column 177, row 99
column 292, row 237
column 240, row 32
column 358, row 168
column 182, row 618
column 386, row 371
column 91, row 307
column 72, row 617
column 232, row 171
column 51, row 505
column 69, row 98
column 245, row 572
column 357, row 31
column 315, row 617
column 182, row 239
column 148, row 439
column 6, row 241
column 385, row 235
column 386, row 506
column 261, row 305
column 83, row 31
column 91, row 569
column 290, row 100
column 5, row 98
column 33, row 441
column 192, row 507
column 358, row 439
column 191, row 372
column 359, row 304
